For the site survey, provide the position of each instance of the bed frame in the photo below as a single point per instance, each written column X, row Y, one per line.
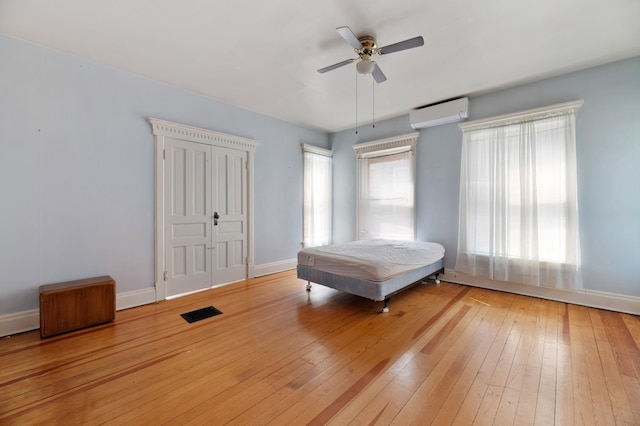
column 374, row 290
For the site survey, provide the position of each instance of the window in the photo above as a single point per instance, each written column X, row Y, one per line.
column 386, row 188
column 317, row 196
column 518, row 198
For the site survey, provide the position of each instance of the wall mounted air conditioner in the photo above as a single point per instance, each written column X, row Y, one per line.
column 435, row 115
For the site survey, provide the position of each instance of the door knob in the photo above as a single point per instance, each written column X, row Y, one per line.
column 216, row 216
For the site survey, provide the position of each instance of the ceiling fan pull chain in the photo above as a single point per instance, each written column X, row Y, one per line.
column 373, row 91
column 356, row 102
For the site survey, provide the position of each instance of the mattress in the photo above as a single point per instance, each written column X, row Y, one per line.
column 372, row 260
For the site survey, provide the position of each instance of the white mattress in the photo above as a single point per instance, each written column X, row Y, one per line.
column 373, row 260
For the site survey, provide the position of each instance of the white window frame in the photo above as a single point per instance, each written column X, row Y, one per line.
column 555, row 272
column 306, row 148
column 384, row 147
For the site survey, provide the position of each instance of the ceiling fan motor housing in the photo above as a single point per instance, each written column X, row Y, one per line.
column 369, row 47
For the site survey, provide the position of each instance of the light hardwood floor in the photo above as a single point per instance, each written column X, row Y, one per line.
column 444, row 354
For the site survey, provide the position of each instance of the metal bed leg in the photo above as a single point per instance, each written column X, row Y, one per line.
column 385, row 308
column 308, row 285
column 441, row 271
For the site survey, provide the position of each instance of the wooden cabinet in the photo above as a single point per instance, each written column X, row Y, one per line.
column 77, row 304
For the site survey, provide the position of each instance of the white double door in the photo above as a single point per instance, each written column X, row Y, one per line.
column 205, row 216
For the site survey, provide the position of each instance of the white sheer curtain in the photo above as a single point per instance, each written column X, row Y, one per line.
column 317, row 194
column 386, row 197
column 518, row 200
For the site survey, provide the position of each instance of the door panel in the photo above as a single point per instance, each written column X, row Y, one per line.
column 187, row 216
column 230, row 202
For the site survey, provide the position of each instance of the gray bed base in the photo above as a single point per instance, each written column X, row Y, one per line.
column 378, row 291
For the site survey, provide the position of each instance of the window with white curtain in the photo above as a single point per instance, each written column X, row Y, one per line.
column 386, row 188
column 518, row 198
column 317, row 194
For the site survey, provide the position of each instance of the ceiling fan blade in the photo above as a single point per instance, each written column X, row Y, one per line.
column 349, row 37
column 378, row 75
column 402, row 45
column 334, row 66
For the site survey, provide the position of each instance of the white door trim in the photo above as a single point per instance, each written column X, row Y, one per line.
column 166, row 129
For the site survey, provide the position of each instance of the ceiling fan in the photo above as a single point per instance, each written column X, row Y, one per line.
column 366, row 47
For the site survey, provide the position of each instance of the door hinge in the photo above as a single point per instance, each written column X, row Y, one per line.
column 164, row 154
column 166, row 275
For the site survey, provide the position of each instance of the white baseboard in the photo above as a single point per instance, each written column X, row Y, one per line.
column 20, row 322
column 591, row 298
column 131, row 299
column 274, row 267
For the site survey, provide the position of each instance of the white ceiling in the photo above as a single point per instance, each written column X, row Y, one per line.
column 263, row 55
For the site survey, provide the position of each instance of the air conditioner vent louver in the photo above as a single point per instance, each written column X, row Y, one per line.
column 446, row 112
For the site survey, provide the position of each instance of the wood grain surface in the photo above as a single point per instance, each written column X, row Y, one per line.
column 446, row 354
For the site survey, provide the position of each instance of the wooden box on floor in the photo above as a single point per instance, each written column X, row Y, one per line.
column 73, row 305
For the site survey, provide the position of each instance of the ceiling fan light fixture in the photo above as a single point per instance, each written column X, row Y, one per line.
column 365, row 66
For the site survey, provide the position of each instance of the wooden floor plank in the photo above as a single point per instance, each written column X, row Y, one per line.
column 531, row 368
column 445, row 354
column 565, row 396
column 489, row 407
column 488, row 328
column 584, row 411
column 546, row 400
column 613, row 380
column 469, row 407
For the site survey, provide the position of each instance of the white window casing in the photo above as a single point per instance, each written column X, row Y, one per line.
column 385, row 205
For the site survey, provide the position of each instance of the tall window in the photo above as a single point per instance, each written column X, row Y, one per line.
column 386, row 188
column 317, row 194
column 518, row 198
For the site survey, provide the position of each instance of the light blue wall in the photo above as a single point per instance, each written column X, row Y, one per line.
column 608, row 139
column 77, row 171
